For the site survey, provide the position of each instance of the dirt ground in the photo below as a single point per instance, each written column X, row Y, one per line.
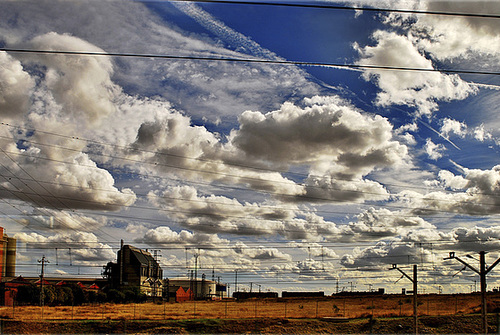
column 460, row 324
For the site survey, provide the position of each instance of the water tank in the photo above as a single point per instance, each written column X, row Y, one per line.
column 10, row 264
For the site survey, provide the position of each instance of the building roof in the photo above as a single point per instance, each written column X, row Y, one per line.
column 142, row 256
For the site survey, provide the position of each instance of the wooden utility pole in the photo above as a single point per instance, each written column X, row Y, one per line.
column 415, row 289
column 42, row 261
column 482, row 272
column 236, row 280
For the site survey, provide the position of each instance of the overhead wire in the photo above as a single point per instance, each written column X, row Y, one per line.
column 305, row 197
column 324, row 5
column 245, row 60
column 352, row 66
column 167, row 154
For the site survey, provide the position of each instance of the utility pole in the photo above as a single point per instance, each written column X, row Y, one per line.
column 236, row 280
column 42, row 261
column 196, row 275
column 415, row 289
column 482, row 272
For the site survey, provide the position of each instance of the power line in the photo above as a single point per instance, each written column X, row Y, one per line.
column 246, row 60
column 302, row 197
column 166, row 154
column 305, row 197
column 345, row 7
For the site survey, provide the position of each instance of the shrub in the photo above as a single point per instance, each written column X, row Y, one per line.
column 115, row 296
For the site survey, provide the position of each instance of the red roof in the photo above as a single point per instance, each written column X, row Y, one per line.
column 44, row 282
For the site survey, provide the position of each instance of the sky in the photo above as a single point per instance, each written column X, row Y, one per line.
column 313, row 177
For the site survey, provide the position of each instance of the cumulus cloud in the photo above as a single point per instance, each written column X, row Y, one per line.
column 453, row 37
column 421, row 90
column 424, row 246
column 476, row 192
column 453, row 127
column 221, row 214
column 340, row 143
column 16, row 85
column 163, row 235
column 481, row 134
column 54, row 220
column 81, row 85
column 210, row 90
column 77, row 183
column 434, row 151
column 85, row 247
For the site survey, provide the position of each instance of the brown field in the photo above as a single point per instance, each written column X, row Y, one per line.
column 336, row 307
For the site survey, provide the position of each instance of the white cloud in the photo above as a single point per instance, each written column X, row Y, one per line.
column 212, row 214
column 449, row 37
column 434, row 151
column 481, row 134
column 163, row 235
column 81, row 85
column 15, row 87
column 475, row 192
column 421, row 90
column 453, row 127
column 85, row 247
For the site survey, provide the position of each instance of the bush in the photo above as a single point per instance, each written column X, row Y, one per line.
column 115, row 296
column 28, row 294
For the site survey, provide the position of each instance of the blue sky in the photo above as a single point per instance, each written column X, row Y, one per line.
column 296, row 176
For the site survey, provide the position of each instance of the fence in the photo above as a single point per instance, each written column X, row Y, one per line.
column 341, row 307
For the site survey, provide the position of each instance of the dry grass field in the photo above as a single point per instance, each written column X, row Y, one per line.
column 336, row 307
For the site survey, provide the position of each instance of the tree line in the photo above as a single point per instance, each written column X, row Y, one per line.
column 73, row 294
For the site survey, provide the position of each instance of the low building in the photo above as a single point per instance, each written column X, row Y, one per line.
column 10, row 287
column 185, row 288
column 135, row 268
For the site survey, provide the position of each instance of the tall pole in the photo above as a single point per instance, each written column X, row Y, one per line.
column 121, row 263
column 196, row 276
column 415, row 290
column 42, row 261
column 415, row 304
column 482, row 272
column 236, row 280
column 482, row 275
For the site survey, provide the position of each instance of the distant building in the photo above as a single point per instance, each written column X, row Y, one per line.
column 7, row 256
column 185, row 288
column 135, row 268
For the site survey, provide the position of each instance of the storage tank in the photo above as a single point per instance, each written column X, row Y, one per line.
column 10, row 264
